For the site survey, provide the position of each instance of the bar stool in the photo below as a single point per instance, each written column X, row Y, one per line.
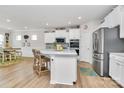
column 43, row 63
column 35, row 62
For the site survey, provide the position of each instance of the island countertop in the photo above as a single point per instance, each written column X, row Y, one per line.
column 55, row 52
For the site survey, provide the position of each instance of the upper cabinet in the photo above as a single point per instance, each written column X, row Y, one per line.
column 62, row 34
column 122, row 23
column 74, row 34
column 49, row 37
column 114, row 18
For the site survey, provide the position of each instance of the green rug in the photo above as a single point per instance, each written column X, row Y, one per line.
column 87, row 72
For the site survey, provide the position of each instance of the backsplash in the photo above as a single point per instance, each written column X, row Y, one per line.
column 52, row 45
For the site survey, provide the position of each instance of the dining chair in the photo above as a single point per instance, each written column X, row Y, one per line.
column 4, row 55
column 18, row 52
column 12, row 52
column 7, row 56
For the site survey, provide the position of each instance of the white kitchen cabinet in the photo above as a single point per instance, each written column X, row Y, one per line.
column 62, row 34
column 122, row 25
column 116, row 68
column 117, row 72
column 122, row 74
column 74, row 33
column 71, row 34
column 49, row 37
column 112, row 67
column 113, row 18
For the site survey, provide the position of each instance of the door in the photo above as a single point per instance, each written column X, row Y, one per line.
column 85, row 47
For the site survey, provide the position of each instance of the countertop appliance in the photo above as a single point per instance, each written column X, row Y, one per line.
column 105, row 40
column 74, row 44
column 59, row 47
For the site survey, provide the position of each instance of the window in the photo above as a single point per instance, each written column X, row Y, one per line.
column 1, row 40
column 34, row 37
column 18, row 37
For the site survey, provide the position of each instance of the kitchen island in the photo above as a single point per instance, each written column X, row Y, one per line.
column 63, row 66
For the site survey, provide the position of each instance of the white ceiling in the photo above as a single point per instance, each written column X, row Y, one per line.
column 36, row 16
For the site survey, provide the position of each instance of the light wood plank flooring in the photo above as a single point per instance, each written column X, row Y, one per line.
column 21, row 75
column 96, row 81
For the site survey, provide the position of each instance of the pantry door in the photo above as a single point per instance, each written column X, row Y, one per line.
column 86, row 47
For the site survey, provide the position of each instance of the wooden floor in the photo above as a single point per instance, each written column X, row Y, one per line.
column 96, row 81
column 21, row 75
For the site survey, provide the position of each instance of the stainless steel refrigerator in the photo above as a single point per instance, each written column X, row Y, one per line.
column 105, row 40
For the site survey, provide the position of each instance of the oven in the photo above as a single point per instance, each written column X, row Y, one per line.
column 74, row 44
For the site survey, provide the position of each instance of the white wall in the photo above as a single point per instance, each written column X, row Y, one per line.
column 86, row 40
column 38, row 44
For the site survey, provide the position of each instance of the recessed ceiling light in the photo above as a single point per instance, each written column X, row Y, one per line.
column 79, row 17
column 8, row 20
column 47, row 24
column 69, row 22
column 26, row 27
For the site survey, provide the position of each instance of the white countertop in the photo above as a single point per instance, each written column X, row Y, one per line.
column 55, row 52
column 118, row 54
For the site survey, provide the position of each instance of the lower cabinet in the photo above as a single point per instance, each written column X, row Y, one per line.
column 116, row 69
column 122, row 74
column 113, row 69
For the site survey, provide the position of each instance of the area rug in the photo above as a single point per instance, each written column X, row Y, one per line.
column 87, row 72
